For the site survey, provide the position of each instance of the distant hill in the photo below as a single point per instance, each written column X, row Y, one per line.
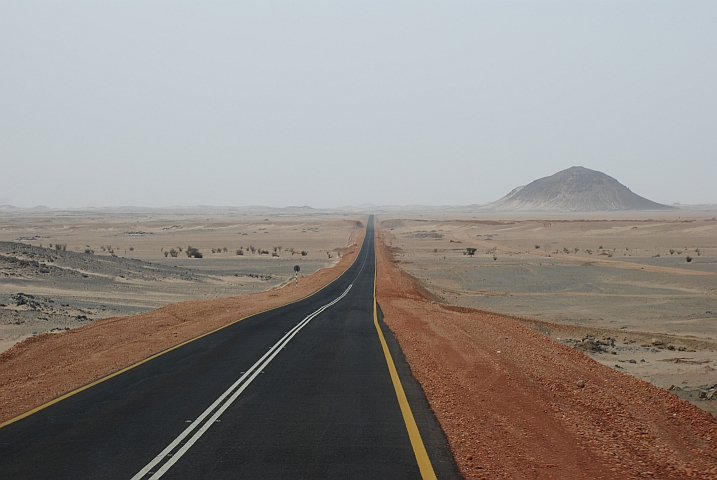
column 576, row 189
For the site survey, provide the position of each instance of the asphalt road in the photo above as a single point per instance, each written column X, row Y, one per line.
column 302, row 391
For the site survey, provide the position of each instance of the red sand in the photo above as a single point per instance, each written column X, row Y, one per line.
column 509, row 401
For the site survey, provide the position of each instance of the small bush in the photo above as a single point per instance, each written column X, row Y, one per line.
column 174, row 253
column 240, row 252
column 495, row 257
column 689, row 259
column 194, row 252
column 537, row 247
column 61, row 246
column 131, row 249
column 672, row 251
column 89, row 251
column 166, row 254
column 304, row 253
column 470, row 251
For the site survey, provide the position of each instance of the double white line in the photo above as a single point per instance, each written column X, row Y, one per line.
column 169, row 456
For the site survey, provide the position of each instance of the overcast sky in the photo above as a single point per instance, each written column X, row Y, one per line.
column 341, row 103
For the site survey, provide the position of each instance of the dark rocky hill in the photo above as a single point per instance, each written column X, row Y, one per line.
column 576, row 189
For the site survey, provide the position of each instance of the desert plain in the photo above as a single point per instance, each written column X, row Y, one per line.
column 64, row 269
column 473, row 298
column 634, row 291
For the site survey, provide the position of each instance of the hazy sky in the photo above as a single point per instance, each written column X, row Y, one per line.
column 340, row 103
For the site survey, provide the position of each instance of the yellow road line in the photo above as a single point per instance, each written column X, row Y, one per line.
column 419, row 450
column 152, row 357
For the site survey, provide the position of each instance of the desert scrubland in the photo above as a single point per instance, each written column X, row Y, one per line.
column 63, row 269
column 617, row 286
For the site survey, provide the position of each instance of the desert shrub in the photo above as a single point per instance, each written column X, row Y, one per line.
column 679, row 252
column 576, row 249
column 274, row 254
column 304, row 253
column 61, row 246
column 252, row 248
column 179, row 248
column 495, row 257
column 689, row 259
column 166, row 254
column 566, row 250
column 470, row 251
column 590, row 252
column 537, row 247
column 194, row 252
column 672, row 251
column 174, row 253
column 329, row 255
column 131, row 249
column 240, row 252
column 89, row 251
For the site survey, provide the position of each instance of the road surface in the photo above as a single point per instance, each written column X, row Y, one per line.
column 301, row 391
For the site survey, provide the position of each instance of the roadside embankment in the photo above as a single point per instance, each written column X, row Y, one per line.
column 47, row 366
column 515, row 404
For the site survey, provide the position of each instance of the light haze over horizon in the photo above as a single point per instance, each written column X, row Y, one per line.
column 343, row 103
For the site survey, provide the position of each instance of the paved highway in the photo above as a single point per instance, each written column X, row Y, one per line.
column 301, row 391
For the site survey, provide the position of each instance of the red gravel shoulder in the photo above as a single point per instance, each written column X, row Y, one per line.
column 45, row 367
column 509, row 401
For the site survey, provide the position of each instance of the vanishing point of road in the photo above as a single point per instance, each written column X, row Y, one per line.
column 315, row 389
